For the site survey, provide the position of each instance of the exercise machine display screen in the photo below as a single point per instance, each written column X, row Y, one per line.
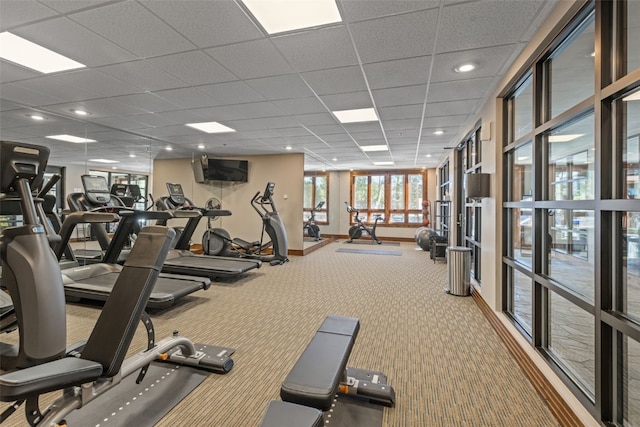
column 175, row 193
column 95, row 184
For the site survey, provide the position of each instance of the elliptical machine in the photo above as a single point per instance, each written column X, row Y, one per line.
column 310, row 227
column 355, row 231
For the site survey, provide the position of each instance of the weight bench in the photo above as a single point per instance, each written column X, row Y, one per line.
column 321, row 372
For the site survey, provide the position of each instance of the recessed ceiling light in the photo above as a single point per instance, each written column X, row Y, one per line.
column 277, row 16
column 465, row 68
column 103, row 161
column 201, row 146
column 592, row 54
column 633, row 97
column 70, row 138
column 356, row 116
column 335, row 159
column 132, row 155
column 523, row 158
column 113, row 167
column 374, row 148
column 210, row 127
column 80, row 112
column 428, row 155
column 438, row 132
column 169, row 148
column 36, row 116
column 382, row 163
column 564, row 138
column 30, row 55
column 288, row 147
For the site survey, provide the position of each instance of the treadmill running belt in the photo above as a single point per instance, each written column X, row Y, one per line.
column 165, row 292
column 209, row 266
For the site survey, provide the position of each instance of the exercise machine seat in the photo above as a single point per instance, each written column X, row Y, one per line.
column 315, row 377
column 285, row 414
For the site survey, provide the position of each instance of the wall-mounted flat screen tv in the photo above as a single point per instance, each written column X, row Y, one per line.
column 227, row 170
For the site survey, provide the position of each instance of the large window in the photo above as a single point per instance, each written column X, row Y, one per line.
column 316, row 190
column 396, row 195
column 571, row 214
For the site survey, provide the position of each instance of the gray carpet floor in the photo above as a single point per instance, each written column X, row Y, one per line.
column 446, row 363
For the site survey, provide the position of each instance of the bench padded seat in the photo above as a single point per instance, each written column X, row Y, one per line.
column 315, row 377
column 285, row 414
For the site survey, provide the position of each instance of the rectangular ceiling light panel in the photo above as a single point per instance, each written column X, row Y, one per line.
column 564, row 138
column 210, row 127
column 277, row 16
column 30, row 55
column 356, row 116
column 103, row 161
column 367, row 148
column 70, row 138
column 383, row 163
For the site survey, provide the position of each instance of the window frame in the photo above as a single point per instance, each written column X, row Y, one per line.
column 306, row 210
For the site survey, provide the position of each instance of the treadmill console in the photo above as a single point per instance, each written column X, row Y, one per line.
column 119, row 190
column 268, row 191
column 96, row 189
column 176, row 195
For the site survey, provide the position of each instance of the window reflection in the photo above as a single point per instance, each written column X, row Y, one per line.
column 522, row 109
column 572, row 341
column 631, row 264
column 571, row 155
column 631, row 382
column 522, row 298
column 633, row 35
column 522, row 235
column 570, row 249
column 571, row 70
column 631, row 145
column 521, row 184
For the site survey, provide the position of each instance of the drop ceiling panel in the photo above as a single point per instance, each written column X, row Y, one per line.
column 396, row 37
column 400, row 96
column 317, row 50
column 280, row 87
column 293, row 131
column 207, row 23
column 216, row 114
column 94, row 81
column 451, row 108
column 74, row 41
column 347, row 101
column 241, row 59
column 256, row 110
column 133, row 28
column 300, row 105
column 152, row 120
column 462, row 89
column 494, row 23
column 11, row 72
column 26, row 97
column 330, row 129
column 142, row 75
column 315, row 119
column 147, row 102
column 400, row 112
column 402, row 72
column 119, row 122
column 60, row 91
column 17, row 12
column 187, row 97
column 97, row 108
column 232, row 92
column 194, row 68
column 362, row 127
column 489, row 62
column 65, row 6
column 336, row 80
column 437, row 122
column 353, row 10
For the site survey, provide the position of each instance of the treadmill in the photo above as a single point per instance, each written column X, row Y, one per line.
column 94, row 281
column 182, row 261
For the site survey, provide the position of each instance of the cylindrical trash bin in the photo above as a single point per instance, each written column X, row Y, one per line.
column 458, row 271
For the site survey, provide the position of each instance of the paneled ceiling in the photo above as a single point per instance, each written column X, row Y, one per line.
column 153, row 66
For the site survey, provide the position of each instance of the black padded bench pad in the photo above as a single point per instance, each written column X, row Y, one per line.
column 315, row 377
column 285, row 414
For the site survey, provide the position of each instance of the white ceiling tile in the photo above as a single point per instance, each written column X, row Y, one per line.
column 437, row 122
column 187, row 97
column 358, row 10
column 315, row 119
column 105, row 107
column 10, row 72
column 316, row 50
column 66, row 6
column 401, row 72
column 61, row 91
column 330, row 129
column 26, row 97
column 216, row 114
column 195, row 68
column 396, row 37
column 19, row 12
column 293, row 131
column 91, row 80
column 363, row 127
column 241, row 59
column 280, row 87
column 74, row 41
column 142, row 75
column 451, row 108
column 400, row 112
column 152, row 120
column 207, row 23
column 134, row 28
column 494, row 23
column 256, row 110
column 8, row 105
column 347, row 101
column 336, row 80
column 461, row 89
column 232, row 92
column 399, row 96
column 147, row 102
column 299, row 105
column 119, row 122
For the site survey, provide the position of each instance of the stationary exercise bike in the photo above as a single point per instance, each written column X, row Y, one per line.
column 355, row 231
column 310, row 227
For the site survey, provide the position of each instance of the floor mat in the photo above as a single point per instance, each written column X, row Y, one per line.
column 369, row 251
column 372, row 243
column 140, row 405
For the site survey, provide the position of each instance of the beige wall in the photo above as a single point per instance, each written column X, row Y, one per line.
column 285, row 170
